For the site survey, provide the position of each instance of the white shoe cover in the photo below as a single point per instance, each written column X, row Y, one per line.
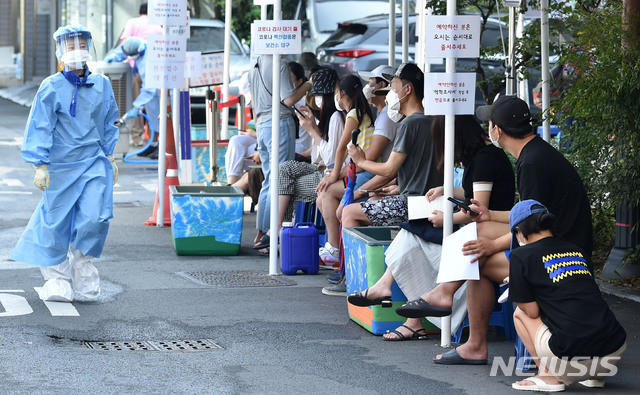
column 56, row 290
column 61, row 271
column 86, row 280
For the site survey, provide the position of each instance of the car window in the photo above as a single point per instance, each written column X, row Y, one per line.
column 328, row 15
column 491, row 36
column 412, row 34
column 209, row 39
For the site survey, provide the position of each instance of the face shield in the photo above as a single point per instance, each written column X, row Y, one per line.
column 74, row 49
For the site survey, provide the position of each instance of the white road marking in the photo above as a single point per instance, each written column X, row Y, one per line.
column 12, row 290
column 121, row 192
column 17, row 141
column 14, row 305
column 11, row 182
column 16, row 193
column 60, row 309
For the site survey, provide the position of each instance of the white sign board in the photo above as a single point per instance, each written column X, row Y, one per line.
column 263, row 2
column 194, row 64
column 277, row 37
column 168, row 12
column 452, row 36
column 165, row 61
column 212, row 70
column 449, row 93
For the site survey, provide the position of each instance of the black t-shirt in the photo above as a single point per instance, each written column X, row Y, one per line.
column 556, row 274
column 491, row 164
column 545, row 175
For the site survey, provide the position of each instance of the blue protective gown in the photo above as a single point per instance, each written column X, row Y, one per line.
column 76, row 207
column 148, row 98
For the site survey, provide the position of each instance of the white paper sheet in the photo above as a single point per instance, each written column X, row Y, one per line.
column 419, row 207
column 455, row 266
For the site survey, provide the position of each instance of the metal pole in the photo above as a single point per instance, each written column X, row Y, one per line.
column 213, row 142
column 275, row 152
column 227, row 65
column 405, row 31
column 175, row 118
column 523, row 83
column 511, row 71
column 544, row 44
column 449, row 139
column 392, row 33
column 162, row 149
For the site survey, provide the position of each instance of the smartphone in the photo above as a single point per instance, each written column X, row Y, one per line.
column 462, row 204
column 372, row 191
column 299, row 112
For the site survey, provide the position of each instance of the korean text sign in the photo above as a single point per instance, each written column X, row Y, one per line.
column 449, row 93
column 165, row 61
column 277, row 37
column 212, row 70
column 168, row 12
column 452, row 36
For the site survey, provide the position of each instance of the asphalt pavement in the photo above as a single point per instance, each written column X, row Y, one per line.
column 179, row 335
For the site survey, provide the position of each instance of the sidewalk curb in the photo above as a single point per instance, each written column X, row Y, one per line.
column 619, row 291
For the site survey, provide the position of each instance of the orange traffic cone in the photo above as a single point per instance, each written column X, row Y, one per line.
column 171, row 178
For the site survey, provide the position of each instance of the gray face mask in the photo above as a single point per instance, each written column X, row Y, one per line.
column 494, row 142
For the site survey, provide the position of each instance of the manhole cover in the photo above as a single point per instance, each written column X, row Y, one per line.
column 237, row 279
column 155, row 345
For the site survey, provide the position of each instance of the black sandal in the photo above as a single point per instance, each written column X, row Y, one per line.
column 419, row 308
column 360, row 299
column 420, row 334
column 265, row 241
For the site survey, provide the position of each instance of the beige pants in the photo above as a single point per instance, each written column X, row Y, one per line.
column 576, row 369
column 137, row 124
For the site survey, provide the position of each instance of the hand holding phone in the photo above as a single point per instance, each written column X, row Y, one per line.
column 463, row 205
column 372, row 191
column 299, row 112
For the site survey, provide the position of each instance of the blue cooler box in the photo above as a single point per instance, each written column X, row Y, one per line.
column 299, row 249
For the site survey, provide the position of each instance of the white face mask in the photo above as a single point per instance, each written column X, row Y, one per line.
column 336, row 101
column 521, row 244
column 77, row 58
column 393, row 106
column 494, row 142
column 367, row 90
column 318, row 100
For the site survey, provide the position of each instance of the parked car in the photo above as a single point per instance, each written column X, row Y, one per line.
column 363, row 44
column 320, row 18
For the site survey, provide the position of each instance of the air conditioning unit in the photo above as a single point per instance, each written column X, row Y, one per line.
column 121, row 80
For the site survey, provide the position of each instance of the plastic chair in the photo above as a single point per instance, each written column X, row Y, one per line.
column 308, row 212
column 524, row 361
column 502, row 316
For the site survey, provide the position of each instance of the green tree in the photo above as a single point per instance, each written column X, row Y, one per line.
column 599, row 112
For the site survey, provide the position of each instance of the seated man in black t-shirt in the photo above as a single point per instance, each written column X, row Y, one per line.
column 543, row 174
column 561, row 313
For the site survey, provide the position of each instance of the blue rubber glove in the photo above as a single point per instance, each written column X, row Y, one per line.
column 110, row 58
column 134, row 112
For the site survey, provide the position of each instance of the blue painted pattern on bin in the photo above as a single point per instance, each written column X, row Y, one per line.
column 196, row 216
column 355, row 268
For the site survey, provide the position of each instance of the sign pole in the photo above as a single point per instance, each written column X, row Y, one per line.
column 275, row 152
column 392, row 33
column 227, row 64
column 544, row 44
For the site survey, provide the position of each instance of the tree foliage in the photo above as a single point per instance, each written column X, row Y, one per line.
column 599, row 111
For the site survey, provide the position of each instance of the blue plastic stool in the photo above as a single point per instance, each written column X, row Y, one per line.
column 502, row 316
column 524, row 361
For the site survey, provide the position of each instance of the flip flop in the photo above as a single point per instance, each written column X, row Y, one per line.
column 538, row 385
column 263, row 253
column 360, row 299
column 265, row 241
column 415, row 335
column 452, row 357
column 419, row 308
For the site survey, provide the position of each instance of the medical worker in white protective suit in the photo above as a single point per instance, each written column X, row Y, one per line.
column 70, row 137
column 135, row 48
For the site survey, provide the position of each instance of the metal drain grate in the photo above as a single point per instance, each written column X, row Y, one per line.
column 133, row 204
column 237, row 279
column 152, row 345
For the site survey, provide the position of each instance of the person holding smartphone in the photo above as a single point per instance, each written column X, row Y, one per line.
column 412, row 261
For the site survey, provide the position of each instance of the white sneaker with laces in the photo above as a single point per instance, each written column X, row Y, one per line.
column 328, row 256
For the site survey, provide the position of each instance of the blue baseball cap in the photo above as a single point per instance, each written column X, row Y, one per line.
column 519, row 213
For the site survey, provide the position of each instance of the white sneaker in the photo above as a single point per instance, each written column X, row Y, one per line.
column 329, row 257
